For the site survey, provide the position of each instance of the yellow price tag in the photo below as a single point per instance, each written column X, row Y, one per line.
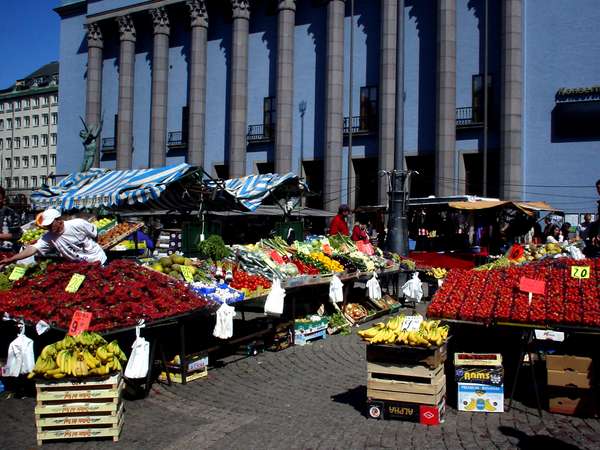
column 188, row 273
column 580, row 272
column 75, row 283
column 17, row 273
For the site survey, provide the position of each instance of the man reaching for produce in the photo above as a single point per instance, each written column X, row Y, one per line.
column 72, row 239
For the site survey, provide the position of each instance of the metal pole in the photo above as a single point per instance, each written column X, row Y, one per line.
column 350, row 109
column 397, row 223
column 485, row 101
column 302, row 109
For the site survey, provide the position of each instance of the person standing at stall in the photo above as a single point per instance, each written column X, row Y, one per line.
column 10, row 223
column 74, row 240
column 339, row 224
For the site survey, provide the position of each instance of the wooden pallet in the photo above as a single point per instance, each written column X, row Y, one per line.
column 416, row 384
column 79, row 409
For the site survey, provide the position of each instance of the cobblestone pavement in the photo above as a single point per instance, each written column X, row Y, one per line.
column 308, row 397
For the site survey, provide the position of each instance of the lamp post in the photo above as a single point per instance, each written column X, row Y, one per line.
column 302, row 110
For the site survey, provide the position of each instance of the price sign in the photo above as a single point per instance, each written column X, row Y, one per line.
column 188, row 273
column 80, row 322
column 412, row 323
column 17, row 273
column 75, row 283
column 276, row 257
column 580, row 272
column 532, row 286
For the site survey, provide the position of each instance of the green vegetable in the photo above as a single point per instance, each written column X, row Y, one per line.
column 213, row 248
column 5, row 284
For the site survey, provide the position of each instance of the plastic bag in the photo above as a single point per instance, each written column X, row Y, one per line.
column 373, row 288
column 336, row 290
column 20, row 358
column 275, row 299
column 224, row 325
column 575, row 252
column 137, row 366
column 413, row 289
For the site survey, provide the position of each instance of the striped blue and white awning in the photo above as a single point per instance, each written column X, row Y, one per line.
column 250, row 191
column 104, row 188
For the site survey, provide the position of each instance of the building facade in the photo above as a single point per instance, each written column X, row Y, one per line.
column 28, row 132
column 255, row 86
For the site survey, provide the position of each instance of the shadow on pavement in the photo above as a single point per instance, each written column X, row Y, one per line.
column 536, row 442
column 355, row 397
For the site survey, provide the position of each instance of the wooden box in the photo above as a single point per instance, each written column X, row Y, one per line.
column 431, row 357
column 79, row 410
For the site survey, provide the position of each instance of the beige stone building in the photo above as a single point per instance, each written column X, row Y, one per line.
column 28, row 124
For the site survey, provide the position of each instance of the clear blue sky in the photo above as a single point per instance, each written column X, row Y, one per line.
column 29, row 36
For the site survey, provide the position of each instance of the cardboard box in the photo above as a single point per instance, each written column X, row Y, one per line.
column 480, row 398
column 566, row 362
column 493, row 376
column 477, row 359
column 196, row 367
column 571, row 401
column 409, row 412
column 568, row 378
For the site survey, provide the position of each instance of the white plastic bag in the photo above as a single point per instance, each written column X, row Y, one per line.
column 224, row 325
column 373, row 288
column 139, row 360
column 412, row 289
column 20, row 358
column 336, row 290
column 575, row 252
column 275, row 299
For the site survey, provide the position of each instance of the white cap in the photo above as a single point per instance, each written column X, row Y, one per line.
column 47, row 217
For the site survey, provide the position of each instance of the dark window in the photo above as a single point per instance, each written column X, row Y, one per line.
column 222, row 171
column 269, row 116
column 266, row 167
column 313, row 175
column 422, row 185
column 477, row 97
column 368, row 107
column 366, row 181
column 184, row 123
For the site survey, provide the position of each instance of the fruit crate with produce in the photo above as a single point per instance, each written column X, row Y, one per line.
column 193, row 368
column 405, row 369
column 310, row 329
column 78, row 389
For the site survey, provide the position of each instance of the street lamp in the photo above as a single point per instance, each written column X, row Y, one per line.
column 302, row 110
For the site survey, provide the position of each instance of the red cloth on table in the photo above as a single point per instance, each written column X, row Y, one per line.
column 339, row 226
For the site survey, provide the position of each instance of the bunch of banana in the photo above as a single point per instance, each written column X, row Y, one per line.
column 430, row 333
column 438, row 272
column 80, row 356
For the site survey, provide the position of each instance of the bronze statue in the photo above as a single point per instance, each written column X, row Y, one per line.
column 89, row 138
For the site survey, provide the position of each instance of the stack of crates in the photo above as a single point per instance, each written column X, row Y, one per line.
column 570, row 385
column 406, row 383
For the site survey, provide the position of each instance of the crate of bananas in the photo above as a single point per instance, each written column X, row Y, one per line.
column 430, row 333
column 84, row 355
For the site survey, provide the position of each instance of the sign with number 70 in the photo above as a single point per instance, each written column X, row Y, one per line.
column 580, row 272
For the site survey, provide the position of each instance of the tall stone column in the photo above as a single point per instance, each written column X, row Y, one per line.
column 239, row 88
column 285, row 85
column 125, row 106
column 511, row 168
column 445, row 111
column 160, row 87
column 334, row 103
column 93, row 94
column 387, row 92
column 197, row 74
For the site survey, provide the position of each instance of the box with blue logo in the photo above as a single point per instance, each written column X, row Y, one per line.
column 480, row 379
column 480, row 398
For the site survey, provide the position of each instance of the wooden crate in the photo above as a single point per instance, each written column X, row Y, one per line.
column 79, row 410
column 432, row 357
column 415, row 384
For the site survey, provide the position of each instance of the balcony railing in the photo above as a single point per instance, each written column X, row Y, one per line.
column 261, row 133
column 108, row 144
column 466, row 119
column 361, row 124
column 175, row 139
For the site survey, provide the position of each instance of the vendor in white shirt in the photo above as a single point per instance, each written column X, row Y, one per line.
column 73, row 239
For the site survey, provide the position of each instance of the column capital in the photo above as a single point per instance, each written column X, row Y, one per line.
column 126, row 28
column 160, row 20
column 94, row 35
column 198, row 13
column 286, row 4
column 240, row 9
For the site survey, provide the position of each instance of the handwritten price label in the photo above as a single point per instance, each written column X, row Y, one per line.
column 533, row 286
column 17, row 273
column 80, row 322
column 580, row 272
column 188, row 273
column 412, row 323
column 75, row 283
